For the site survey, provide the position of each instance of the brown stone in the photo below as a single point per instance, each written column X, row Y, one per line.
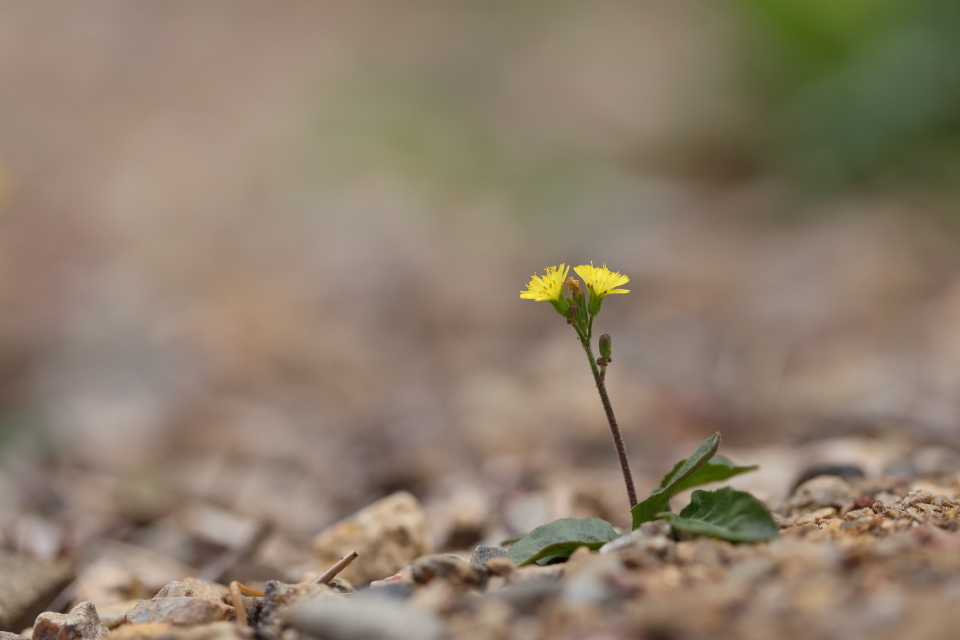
column 82, row 623
column 389, row 535
column 180, row 611
column 27, row 587
column 448, row 567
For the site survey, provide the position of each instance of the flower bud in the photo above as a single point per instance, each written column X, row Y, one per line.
column 601, row 362
column 605, row 344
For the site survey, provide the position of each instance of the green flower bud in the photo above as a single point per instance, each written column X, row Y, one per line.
column 605, row 346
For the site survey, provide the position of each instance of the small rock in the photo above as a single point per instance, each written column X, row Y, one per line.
column 177, row 589
column 209, row 589
column 27, row 586
column 389, row 534
column 365, row 618
column 845, row 471
column 113, row 615
column 401, row 577
column 822, row 491
column 815, row 516
column 146, row 631
column 482, row 554
column 887, row 499
column 163, row 631
column 181, row 611
column 82, row 623
column 279, row 599
column 501, row 567
column 446, row 566
column 6, row 635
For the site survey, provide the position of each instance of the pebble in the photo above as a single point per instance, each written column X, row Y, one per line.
column 27, row 586
column 365, row 617
column 6, row 635
column 446, row 566
column 165, row 631
column 82, row 623
column 389, row 535
column 180, row 610
column 822, row 491
column 845, row 471
column 483, row 554
column 280, row 598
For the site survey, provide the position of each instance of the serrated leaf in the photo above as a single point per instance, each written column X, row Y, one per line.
column 672, row 482
column 560, row 538
column 717, row 470
column 727, row 514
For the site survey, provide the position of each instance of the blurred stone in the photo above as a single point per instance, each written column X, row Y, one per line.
column 207, row 588
column 401, row 577
column 822, row 491
column 483, row 554
column 164, row 631
column 460, row 518
column 218, row 526
column 114, row 615
column 124, row 571
column 389, row 535
column 27, row 586
column 446, row 566
column 365, row 618
column 180, row 611
column 106, row 582
column 846, row 471
column 280, row 598
column 6, row 635
column 82, row 623
column 145, row 631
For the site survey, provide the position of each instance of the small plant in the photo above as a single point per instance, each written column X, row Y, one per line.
column 725, row 513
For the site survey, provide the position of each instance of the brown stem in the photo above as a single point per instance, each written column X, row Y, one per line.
column 614, row 429
column 341, row 564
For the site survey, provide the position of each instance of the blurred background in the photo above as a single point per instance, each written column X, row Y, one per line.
column 267, row 256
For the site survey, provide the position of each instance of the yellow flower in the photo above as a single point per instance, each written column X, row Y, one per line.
column 549, row 288
column 600, row 282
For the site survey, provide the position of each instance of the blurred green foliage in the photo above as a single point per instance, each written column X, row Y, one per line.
column 856, row 93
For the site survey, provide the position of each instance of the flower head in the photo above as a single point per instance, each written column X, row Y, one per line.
column 549, row 288
column 600, row 282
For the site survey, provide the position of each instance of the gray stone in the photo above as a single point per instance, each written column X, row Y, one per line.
column 82, row 623
column 28, row 586
column 365, row 618
column 446, row 566
column 280, row 598
column 483, row 554
column 822, row 491
column 6, row 635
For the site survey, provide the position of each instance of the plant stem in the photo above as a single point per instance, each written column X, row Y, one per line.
column 614, row 429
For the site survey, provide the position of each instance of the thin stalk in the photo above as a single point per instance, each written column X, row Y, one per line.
column 614, row 428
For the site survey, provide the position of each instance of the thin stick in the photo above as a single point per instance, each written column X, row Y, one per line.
column 341, row 564
column 614, row 429
column 237, row 597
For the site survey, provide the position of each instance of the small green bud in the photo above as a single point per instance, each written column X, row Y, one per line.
column 605, row 346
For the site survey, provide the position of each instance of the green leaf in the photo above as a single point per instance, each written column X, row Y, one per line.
column 718, row 469
column 560, row 538
column 511, row 540
column 673, row 482
column 727, row 514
